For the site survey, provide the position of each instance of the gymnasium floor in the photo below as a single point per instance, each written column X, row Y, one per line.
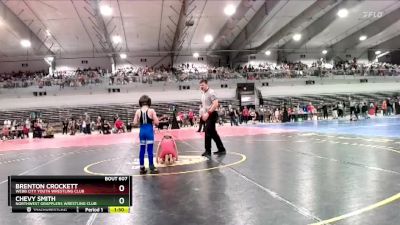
column 302, row 173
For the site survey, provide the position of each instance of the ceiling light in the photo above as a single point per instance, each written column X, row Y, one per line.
column 363, row 38
column 324, row 51
column 342, row 13
column 229, row 10
column 25, row 43
column 50, row 58
column 378, row 52
column 297, row 37
column 196, row 55
column 382, row 54
column 116, row 39
column 48, row 33
column 268, row 52
column 122, row 55
column 105, row 10
column 208, row 38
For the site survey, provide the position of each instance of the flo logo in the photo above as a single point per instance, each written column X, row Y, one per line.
column 373, row 14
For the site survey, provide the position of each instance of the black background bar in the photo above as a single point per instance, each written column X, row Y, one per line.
column 9, row 191
column 60, row 210
column 63, row 179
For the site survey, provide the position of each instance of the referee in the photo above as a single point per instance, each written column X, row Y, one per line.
column 209, row 103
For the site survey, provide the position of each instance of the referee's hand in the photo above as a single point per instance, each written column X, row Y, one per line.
column 204, row 117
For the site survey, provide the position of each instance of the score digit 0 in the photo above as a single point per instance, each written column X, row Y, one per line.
column 121, row 201
column 121, row 188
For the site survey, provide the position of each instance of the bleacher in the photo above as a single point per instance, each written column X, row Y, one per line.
column 329, row 99
column 126, row 112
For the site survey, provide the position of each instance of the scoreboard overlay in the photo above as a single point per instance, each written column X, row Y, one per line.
column 70, row 194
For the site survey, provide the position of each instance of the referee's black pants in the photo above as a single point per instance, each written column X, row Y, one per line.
column 202, row 126
column 211, row 133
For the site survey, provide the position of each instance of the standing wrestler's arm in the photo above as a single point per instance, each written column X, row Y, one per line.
column 136, row 119
column 158, row 151
column 156, row 121
column 176, row 149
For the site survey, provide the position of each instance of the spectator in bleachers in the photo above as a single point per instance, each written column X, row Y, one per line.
column 191, row 117
column 384, row 108
column 277, row 115
column 38, row 130
column 27, row 124
column 88, row 122
column 163, row 122
column 116, row 116
column 260, row 114
column 221, row 116
column 49, row 132
column 180, row 118
column 128, row 127
column 41, row 79
column 340, row 107
column 285, row 115
column 13, row 130
column 99, row 126
column 72, row 126
column 78, row 78
column 325, row 110
column 83, row 126
column 267, row 115
column 106, row 127
column 364, row 110
column 389, row 106
column 335, row 111
column 186, row 122
column 233, row 117
column 65, row 126
column 396, row 106
column 353, row 110
column 119, row 126
column 371, row 110
column 7, row 123
column 19, row 131
column 376, row 108
column 311, row 110
column 252, row 116
column 245, row 114
column 5, row 133
column 25, row 131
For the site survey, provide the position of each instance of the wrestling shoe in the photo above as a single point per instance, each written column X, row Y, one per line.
column 143, row 170
column 153, row 170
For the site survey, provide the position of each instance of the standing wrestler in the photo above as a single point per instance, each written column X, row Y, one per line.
column 147, row 118
column 209, row 103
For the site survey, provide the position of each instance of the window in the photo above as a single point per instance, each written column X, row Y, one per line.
column 84, row 62
column 25, row 65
